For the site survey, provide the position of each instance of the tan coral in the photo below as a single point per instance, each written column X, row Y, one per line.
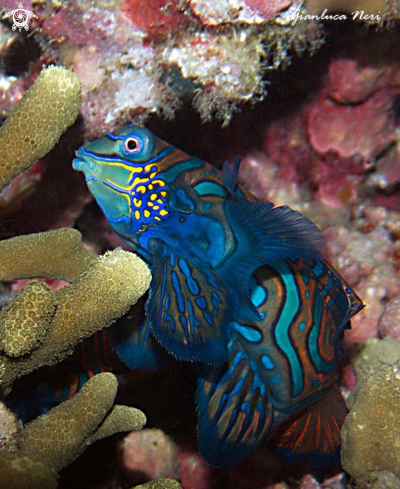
column 104, row 288
column 374, row 354
column 371, row 432
column 57, row 438
column 60, row 436
column 120, row 418
column 36, row 123
column 19, row 471
column 100, row 295
column 24, row 322
column 57, row 254
column 160, row 484
column 10, row 429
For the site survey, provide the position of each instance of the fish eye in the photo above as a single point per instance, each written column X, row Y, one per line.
column 132, row 145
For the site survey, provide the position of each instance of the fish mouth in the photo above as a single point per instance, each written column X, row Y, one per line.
column 79, row 161
column 83, row 163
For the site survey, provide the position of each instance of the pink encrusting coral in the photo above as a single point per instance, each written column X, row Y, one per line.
column 347, row 129
column 157, row 16
column 151, row 454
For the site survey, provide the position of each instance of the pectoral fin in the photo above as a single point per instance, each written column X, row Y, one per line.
column 187, row 308
column 135, row 345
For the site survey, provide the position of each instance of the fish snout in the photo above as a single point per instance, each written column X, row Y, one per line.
column 82, row 162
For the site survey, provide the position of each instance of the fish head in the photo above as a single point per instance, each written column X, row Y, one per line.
column 121, row 172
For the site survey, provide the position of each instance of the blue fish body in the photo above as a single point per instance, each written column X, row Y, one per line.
column 238, row 284
column 200, row 233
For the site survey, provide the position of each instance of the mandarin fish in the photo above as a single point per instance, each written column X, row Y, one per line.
column 235, row 282
column 202, row 235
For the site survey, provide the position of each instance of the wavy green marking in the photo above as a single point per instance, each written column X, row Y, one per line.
column 320, row 364
column 284, row 324
column 210, row 188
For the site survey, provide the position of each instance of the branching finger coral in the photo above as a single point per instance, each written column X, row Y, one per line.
column 36, row 123
column 57, row 438
column 60, row 436
column 160, row 484
column 57, row 254
column 21, row 332
column 19, row 471
column 86, row 306
column 41, row 327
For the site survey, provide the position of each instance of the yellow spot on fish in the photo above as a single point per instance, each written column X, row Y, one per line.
column 163, row 193
column 150, row 204
column 149, row 166
column 156, row 207
column 137, row 202
column 157, row 218
column 152, row 175
column 153, row 196
column 163, row 212
column 138, row 181
column 161, row 183
column 151, row 186
column 137, row 215
column 141, row 189
column 146, row 213
column 159, row 201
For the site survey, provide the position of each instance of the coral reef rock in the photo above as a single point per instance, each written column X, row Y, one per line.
column 371, row 431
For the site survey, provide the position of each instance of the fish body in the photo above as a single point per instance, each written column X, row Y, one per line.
column 240, row 286
column 202, row 235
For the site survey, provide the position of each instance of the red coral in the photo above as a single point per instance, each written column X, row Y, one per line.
column 351, row 82
column 195, row 472
column 351, row 137
column 67, row 23
column 347, row 129
column 155, row 17
column 269, row 9
column 286, row 143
